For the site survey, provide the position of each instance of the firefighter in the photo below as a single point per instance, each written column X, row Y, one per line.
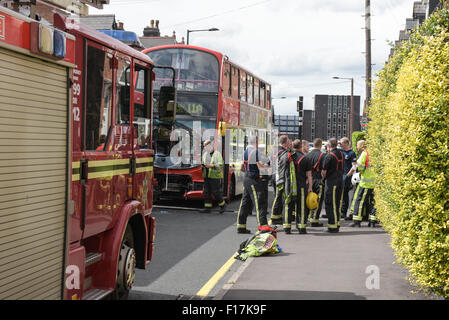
column 278, row 184
column 350, row 161
column 303, row 171
column 251, row 186
column 316, row 157
column 287, row 178
column 265, row 177
column 365, row 193
column 212, row 164
column 332, row 173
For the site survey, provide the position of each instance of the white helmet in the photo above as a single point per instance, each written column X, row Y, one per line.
column 355, row 178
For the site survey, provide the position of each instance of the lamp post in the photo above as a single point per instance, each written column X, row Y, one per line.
column 189, row 31
column 272, row 106
column 351, row 111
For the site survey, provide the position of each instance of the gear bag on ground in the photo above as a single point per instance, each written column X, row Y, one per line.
column 263, row 242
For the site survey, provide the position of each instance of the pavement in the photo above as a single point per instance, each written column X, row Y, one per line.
column 354, row 264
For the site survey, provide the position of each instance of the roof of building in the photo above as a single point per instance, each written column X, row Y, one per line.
column 100, row 21
column 410, row 23
column 150, row 42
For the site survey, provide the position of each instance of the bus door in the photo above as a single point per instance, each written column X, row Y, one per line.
column 241, row 146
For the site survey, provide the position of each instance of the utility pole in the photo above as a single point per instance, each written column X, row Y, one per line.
column 368, row 52
column 300, row 109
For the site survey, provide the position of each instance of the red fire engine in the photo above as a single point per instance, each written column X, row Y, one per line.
column 76, row 161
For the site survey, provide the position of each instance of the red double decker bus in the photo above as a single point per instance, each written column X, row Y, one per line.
column 212, row 93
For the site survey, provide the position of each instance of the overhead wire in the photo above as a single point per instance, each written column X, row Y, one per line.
column 221, row 13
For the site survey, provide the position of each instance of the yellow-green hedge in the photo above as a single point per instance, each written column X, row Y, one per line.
column 408, row 136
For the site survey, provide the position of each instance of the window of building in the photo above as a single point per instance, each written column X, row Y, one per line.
column 98, row 98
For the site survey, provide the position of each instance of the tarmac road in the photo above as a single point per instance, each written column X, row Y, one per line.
column 190, row 248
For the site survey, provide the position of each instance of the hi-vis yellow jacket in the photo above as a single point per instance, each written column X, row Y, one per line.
column 217, row 161
column 366, row 174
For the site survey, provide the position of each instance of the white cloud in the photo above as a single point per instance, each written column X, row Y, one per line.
column 296, row 45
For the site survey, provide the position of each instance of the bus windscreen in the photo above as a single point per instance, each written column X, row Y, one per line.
column 196, row 71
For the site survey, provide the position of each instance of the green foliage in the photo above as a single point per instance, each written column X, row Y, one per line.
column 408, row 137
column 356, row 137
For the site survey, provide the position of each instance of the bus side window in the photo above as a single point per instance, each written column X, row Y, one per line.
column 98, row 99
column 268, row 97
column 256, row 92
column 235, row 83
column 249, row 89
column 262, row 95
column 242, row 86
column 227, row 80
column 122, row 89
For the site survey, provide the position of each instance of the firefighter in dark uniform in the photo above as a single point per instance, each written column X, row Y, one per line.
column 333, row 175
column 316, row 158
column 265, row 177
column 303, row 171
column 251, row 187
column 278, row 184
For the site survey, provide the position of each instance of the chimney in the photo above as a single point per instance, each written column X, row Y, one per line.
column 120, row 26
column 152, row 30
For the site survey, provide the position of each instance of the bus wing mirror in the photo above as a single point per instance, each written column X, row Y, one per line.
column 167, row 104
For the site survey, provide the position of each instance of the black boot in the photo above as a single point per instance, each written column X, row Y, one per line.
column 355, row 224
column 316, row 224
column 275, row 221
column 241, row 230
column 222, row 209
column 302, row 230
column 288, row 231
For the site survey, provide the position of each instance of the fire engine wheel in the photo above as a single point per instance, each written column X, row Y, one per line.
column 126, row 270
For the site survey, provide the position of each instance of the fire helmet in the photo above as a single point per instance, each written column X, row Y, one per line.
column 355, row 178
column 312, row 201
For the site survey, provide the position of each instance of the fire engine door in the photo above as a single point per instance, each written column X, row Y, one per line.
column 100, row 165
column 143, row 150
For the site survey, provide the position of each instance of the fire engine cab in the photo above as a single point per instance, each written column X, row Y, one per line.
column 76, row 160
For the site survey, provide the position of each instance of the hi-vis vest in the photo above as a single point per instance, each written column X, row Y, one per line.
column 366, row 174
column 216, row 159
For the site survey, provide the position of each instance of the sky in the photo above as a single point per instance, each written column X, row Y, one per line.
column 295, row 45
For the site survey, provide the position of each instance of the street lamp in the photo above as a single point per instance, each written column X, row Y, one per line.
column 351, row 111
column 189, row 31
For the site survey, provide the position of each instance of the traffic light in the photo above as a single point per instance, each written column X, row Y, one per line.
column 300, row 104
